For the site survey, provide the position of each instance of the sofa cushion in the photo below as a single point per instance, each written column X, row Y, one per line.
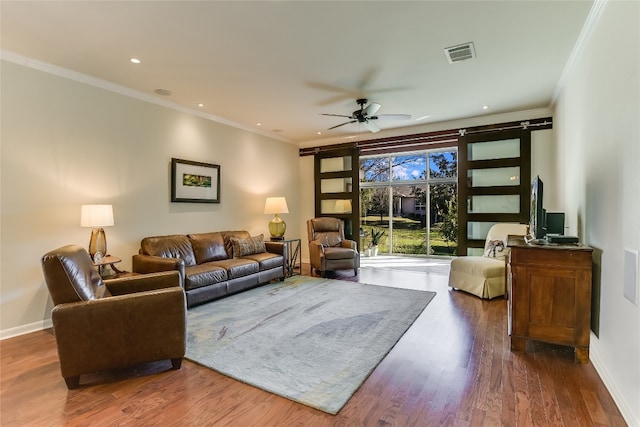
column 238, row 267
column 208, row 247
column 227, row 235
column 174, row 246
column 250, row 246
column 339, row 253
column 267, row 260
column 205, row 274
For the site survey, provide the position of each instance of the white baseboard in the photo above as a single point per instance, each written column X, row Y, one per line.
column 626, row 409
column 25, row 329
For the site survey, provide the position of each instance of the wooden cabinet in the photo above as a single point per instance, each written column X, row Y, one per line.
column 549, row 295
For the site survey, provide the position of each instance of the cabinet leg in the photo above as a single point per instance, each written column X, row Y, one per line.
column 518, row 344
column 581, row 355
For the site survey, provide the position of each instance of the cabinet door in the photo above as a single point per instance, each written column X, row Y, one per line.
column 552, row 303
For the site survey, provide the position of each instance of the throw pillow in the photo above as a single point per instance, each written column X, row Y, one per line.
column 496, row 249
column 250, row 246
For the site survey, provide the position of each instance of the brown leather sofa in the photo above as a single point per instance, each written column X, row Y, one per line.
column 328, row 248
column 108, row 324
column 213, row 265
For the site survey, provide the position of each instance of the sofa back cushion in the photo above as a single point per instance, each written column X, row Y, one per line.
column 173, row 246
column 208, row 247
column 227, row 235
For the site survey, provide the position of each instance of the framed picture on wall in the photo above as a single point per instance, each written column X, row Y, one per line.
column 194, row 182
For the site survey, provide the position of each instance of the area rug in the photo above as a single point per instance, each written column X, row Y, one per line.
column 311, row 340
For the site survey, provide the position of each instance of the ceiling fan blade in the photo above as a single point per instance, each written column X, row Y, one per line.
column 335, row 115
column 372, row 108
column 371, row 126
column 342, row 124
column 391, row 117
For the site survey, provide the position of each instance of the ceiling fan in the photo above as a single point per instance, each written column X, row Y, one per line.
column 366, row 115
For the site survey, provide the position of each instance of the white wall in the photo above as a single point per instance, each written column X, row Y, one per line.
column 597, row 126
column 65, row 144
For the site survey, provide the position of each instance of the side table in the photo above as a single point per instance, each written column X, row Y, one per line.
column 293, row 263
column 109, row 261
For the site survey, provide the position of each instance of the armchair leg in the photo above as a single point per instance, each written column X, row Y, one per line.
column 176, row 363
column 72, row 382
column 355, row 271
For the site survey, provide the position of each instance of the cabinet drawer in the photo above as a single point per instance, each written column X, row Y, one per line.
column 578, row 258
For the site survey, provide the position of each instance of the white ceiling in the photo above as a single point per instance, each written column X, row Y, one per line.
column 283, row 63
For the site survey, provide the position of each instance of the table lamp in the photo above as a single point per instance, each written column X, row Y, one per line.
column 277, row 227
column 97, row 216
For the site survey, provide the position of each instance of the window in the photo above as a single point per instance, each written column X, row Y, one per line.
column 412, row 197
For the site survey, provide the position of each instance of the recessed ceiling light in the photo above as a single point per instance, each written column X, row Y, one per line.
column 319, row 133
column 135, row 60
column 485, row 107
column 258, row 124
column 201, row 105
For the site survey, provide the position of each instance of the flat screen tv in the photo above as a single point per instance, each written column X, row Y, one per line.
column 536, row 214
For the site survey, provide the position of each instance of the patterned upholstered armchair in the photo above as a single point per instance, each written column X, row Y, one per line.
column 115, row 323
column 328, row 248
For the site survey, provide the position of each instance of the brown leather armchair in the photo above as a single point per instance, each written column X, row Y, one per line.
column 114, row 323
column 328, row 249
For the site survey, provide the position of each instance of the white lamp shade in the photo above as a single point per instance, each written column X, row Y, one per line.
column 276, row 205
column 96, row 216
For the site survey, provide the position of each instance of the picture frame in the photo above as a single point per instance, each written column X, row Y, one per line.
column 194, row 182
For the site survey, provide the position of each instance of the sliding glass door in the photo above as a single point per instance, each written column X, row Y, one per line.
column 411, row 197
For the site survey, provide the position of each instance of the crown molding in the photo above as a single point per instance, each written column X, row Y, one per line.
column 122, row 90
column 583, row 38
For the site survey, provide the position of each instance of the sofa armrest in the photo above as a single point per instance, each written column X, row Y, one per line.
column 316, row 253
column 91, row 335
column 143, row 282
column 145, row 264
column 279, row 248
column 276, row 248
column 350, row 244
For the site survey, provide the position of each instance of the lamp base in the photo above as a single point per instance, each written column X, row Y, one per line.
column 277, row 227
column 97, row 243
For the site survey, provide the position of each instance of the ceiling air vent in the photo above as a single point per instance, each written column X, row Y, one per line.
column 460, row 52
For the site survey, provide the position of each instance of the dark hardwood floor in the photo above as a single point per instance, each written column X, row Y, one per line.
column 453, row 367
